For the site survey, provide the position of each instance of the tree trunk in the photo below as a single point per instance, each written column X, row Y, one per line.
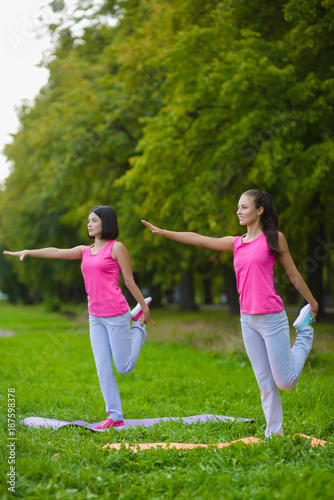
column 187, row 292
column 314, row 267
column 207, row 282
column 155, row 293
column 232, row 292
column 328, row 287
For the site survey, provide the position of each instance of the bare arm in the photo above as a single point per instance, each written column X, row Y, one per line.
column 220, row 244
column 294, row 275
column 50, row 253
column 120, row 253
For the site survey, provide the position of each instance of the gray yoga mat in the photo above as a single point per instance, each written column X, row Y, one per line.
column 147, row 422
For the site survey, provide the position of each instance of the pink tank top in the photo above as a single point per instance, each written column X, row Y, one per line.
column 254, row 269
column 101, row 276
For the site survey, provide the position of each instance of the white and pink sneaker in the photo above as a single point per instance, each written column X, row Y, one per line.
column 137, row 311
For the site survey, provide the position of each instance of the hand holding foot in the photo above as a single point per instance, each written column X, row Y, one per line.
column 144, row 319
column 314, row 312
column 305, row 317
column 137, row 314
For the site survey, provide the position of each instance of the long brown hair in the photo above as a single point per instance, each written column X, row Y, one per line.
column 269, row 218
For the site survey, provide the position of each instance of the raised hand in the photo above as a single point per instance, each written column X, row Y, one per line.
column 21, row 253
column 154, row 229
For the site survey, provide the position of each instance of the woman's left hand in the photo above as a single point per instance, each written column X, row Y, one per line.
column 145, row 318
column 314, row 312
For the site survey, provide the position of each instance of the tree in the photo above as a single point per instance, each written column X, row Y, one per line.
column 74, row 141
column 170, row 115
column 246, row 103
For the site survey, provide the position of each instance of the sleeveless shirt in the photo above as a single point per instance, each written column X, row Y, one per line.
column 101, row 276
column 254, row 268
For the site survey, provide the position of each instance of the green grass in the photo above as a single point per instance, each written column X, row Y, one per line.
column 192, row 364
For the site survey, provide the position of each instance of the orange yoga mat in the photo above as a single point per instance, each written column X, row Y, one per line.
column 189, row 446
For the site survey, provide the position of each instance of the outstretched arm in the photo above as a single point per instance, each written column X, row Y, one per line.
column 294, row 275
column 220, row 244
column 50, row 253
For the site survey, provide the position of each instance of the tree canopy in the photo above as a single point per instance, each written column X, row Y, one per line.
column 169, row 116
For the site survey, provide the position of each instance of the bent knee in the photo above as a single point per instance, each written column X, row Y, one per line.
column 286, row 385
column 124, row 370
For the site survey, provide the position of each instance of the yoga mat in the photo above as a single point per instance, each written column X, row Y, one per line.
column 189, row 446
column 147, row 422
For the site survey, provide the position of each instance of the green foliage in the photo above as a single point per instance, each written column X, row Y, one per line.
column 170, row 115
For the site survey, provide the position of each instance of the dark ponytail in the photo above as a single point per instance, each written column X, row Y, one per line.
column 269, row 218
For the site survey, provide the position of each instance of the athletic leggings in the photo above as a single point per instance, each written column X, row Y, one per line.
column 276, row 365
column 113, row 339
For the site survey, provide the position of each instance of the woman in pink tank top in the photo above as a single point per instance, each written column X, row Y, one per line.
column 264, row 323
column 112, row 338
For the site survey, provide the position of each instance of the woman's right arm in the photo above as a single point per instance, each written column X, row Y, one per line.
column 220, row 244
column 50, row 253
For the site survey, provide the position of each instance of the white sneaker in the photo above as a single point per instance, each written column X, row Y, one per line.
column 304, row 317
column 137, row 311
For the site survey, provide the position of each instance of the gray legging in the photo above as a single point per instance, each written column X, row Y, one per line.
column 113, row 339
column 275, row 363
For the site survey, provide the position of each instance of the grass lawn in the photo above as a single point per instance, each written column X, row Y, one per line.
column 192, row 364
